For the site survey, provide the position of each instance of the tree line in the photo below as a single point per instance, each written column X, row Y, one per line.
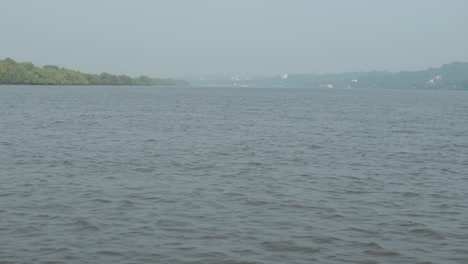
column 12, row 72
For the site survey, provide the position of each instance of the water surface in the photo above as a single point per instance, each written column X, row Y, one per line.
column 231, row 175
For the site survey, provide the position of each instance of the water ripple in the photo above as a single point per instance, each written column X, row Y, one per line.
column 235, row 176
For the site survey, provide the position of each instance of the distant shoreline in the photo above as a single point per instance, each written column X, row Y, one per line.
column 452, row 76
column 26, row 73
column 101, row 85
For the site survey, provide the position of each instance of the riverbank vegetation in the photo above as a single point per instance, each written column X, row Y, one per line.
column 26, row 73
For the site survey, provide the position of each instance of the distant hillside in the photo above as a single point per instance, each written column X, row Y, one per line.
column 12, row 72
column 448, row 77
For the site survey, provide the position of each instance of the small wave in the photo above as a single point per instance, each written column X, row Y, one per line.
column 404, row 131
column 448, row 171
column 42, row 216
column 384, row 253
column 357, row 192
column 236, row 262
column 319, row 239
column 410, row 223
column 409, row 194
column 7, row 144
column 179, row 230
column 360, row 230
column 373, row 244
column 211, row 237
column 201, row 167
column 422, row 250
column 333, row 216
column 67, row 163
column 461, row 251
column 143, row 228
column 150, row 198
column 370, row 245
column 244, row 251
column 219, row 153
column 427, row 233
column 170, row 223
column 100, row 200
column 53, row 262
column 233, row 194
column 159, row 199
column 27, row 230
column 254, row 163
column 108, row 253
column 210, row 255
column 255, row 202
column 186, row 248
column 144, row 169
column 438, row 195
column 287, row 246
column 126, row 203
column 61, row 250
column 82, row 225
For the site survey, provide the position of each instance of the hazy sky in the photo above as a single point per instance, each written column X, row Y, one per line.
column 163, row 38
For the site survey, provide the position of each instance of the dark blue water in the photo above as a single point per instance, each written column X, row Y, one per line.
column 230, row 175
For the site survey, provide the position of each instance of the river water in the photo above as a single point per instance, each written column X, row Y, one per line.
column 232, row 175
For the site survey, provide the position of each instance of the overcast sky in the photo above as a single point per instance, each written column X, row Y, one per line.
column 163, row 38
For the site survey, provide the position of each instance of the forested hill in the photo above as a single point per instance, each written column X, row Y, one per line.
column 12, row 72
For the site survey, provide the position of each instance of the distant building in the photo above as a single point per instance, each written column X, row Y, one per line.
column 435, row 79
column 329, row 86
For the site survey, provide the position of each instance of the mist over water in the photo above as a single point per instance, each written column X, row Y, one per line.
column 232, row 175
